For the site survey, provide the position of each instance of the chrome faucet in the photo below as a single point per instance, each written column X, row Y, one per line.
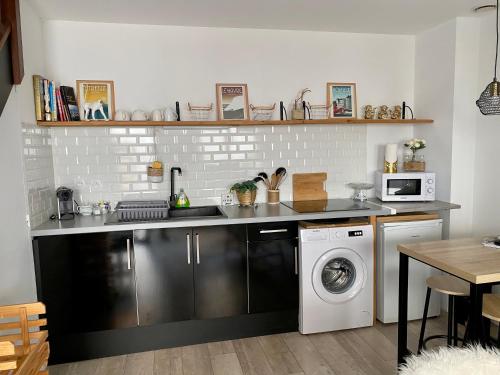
column 173, row 196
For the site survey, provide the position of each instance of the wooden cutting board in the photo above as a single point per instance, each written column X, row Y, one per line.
column 309, row 186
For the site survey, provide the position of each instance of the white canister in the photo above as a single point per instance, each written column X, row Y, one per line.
column 121, row 115
column 170, row 114
column 139, row 115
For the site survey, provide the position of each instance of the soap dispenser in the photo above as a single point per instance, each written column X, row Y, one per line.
column 182, row 200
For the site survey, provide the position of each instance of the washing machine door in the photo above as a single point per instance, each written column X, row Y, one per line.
column 339, row 275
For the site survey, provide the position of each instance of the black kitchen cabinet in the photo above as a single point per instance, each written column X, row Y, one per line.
column 273, row 267
column 190, row 273
column 164, row 271
column 220, row 271
column 87, row 281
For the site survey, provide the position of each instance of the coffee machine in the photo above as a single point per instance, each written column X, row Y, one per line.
column 65, row 203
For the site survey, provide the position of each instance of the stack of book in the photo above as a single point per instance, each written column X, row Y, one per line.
column 54, row 103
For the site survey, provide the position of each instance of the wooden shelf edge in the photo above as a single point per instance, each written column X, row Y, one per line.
column 335, row 121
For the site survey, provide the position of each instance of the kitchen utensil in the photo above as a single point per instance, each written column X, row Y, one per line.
column 281, row 173
column 265, row 179
column 142, row 210
column 274, row 181
column 309, row 186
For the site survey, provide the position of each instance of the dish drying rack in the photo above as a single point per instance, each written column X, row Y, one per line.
column 199, row 112
column 262, row 113
column 142, row 210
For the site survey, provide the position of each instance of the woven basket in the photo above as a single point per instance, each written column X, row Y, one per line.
column 247, row 198
column 414, row 166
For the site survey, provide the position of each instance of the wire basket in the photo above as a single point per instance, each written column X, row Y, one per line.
column 319, row 111
column 199, row 112
column 142, row 210
column 262, row 113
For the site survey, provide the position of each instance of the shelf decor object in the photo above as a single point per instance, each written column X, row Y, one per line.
column 391, row 158
column 199, row 112
column 342, row 98
column 262, row 113
column 489, row 100
column 96, row 99
column 232, row 101
column 414, row 162
column 318, row 111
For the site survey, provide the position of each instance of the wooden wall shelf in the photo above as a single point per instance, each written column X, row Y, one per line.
column 335, row 121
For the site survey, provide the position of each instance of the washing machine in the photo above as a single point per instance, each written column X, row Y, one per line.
column 336, row 278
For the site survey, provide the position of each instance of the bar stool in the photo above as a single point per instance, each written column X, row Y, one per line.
column 453, row 288
column 491, row 310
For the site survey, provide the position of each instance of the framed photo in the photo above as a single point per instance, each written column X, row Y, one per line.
column 342, row 98
column 96, row 100
column 232, row 101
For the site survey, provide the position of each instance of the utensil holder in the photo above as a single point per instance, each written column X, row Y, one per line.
column 247, row 198
column 155, row 175
column 273, row 196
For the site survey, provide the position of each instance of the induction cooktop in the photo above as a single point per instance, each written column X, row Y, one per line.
column 328, row 205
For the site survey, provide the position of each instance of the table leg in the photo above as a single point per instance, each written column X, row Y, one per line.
column 475, row 325
column 403, row 309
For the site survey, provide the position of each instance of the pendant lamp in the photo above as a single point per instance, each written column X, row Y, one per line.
column 489, row 101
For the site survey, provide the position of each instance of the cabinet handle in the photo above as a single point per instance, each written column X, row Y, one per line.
column 128, row 254
column 197, row 248
column 273, row 231
column 188, row 247
column 296, row 260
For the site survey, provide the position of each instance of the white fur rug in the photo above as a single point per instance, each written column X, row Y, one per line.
column 473, row 360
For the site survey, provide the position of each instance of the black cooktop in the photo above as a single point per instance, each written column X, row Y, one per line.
column 329, row 205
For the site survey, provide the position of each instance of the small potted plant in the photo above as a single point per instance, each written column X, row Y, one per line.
column 246, row 192
column 414, row 162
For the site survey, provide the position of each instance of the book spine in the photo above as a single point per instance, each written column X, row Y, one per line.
column 64, row 103
column 46, row 100
column 53, row 104
column 38, row 97
column 60, row 112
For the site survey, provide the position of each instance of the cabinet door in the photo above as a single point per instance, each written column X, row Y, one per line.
column 86, row 281
column 164, row 268
column 273, row 275
column 220, row 271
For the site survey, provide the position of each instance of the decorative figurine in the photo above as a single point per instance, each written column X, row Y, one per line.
column 383, row 113
column 369, row 112
column 92, row 108
column 396, row 112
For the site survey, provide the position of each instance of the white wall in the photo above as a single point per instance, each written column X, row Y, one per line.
column 153, row 66
column 486, row 215
column 16, row 264
column 445, row 89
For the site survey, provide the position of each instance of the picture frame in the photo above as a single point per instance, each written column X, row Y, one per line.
column 96, row 99
column 342, row 99
column 232, row 101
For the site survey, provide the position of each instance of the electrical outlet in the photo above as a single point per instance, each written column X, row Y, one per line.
column 227, row 199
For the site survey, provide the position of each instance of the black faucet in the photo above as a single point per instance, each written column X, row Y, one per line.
column 173, row 196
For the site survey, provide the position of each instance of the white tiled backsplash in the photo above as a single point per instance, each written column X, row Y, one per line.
column 110, row 163
column 38, row 173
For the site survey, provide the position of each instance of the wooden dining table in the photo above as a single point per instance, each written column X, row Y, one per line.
column 466, row 259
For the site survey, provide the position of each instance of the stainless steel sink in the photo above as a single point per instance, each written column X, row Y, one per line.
column 195, row 212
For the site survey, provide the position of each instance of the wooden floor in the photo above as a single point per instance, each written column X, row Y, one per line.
column 364, row 351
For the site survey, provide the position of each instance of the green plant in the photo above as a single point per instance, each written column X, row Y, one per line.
column 241, row 187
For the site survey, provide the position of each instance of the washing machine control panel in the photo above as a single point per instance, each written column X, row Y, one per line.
column 344, row 233
column 355, row 233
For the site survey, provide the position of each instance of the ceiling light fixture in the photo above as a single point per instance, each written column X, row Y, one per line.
column 489, row 101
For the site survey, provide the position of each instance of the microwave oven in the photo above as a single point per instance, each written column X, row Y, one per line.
column 405, row 187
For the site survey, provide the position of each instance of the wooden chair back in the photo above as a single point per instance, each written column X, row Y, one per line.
column 24, row 349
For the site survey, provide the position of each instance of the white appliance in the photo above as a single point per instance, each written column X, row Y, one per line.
column 389, row 235
column 406, row 187
column 336, row 278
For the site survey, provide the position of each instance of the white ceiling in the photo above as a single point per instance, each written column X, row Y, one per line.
column 363, row 16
